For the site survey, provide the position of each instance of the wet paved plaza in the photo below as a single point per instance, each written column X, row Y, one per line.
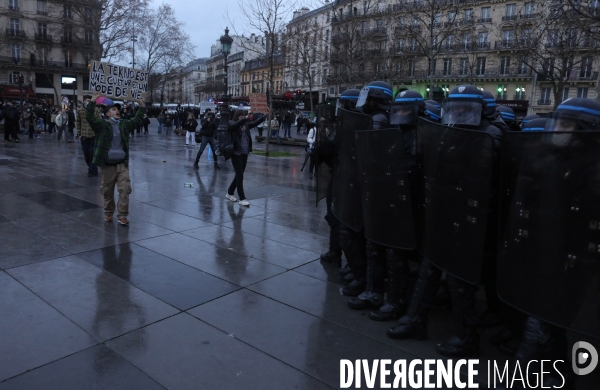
column 197, row 293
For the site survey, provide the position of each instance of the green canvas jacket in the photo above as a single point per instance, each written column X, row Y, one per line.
column 103, row 131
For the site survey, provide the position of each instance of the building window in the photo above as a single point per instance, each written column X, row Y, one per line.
column 411, row 68
column 15, row 51
column 15, row 27
column 502, row 92
column 42, row 7
column 523, row 68
column 480, row 69
column 582, row 92
column 504, row 65
column 466, row 41
column 468, row 14
column 486, row 14
column 511, row 12
column 464, row 66
column 565, row 94
column 42, row 30
column 13, row 4
column 520, row 93
column 13, row 78
column 68, row 59
column 431, row 65
column 529, row 9
column 482, row 39
column 447, row 66
column 68, row 11
column 89, row 37
column 586, row 67
column 328, row 17
column 332, row 90
column 545, row 95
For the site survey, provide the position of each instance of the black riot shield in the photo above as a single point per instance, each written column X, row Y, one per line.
column 458, row 169
column 346, row 204
column 549, row 264
column 325, row 148
column 385, row 187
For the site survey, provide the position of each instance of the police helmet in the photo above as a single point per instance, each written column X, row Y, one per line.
column 348, row 99
column 406, row 108
column 529, row 118
column 463, row 106
column 536, row 124
column 433, row 112
column 490, row 103
column 507, row 114
column 576, row 114
column 379, row 90
column 434, row 103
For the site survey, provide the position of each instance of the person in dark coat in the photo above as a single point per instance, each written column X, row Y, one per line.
column 239, row 130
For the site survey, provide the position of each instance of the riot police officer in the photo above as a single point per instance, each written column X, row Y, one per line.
column 508, row 116
column 374, row 101
column 395, row 236
column 325, row 153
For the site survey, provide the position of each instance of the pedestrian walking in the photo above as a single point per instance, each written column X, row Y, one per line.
column 275, row 129
column 10, row 114
column 168, row 124
column 161, row 121
column 61, row 121
column 71, row 124
column 207, row 133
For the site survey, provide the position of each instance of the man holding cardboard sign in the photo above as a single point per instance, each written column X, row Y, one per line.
column 111, row 153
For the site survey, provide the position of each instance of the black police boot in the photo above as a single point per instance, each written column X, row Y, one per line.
column 466, row 340
column 372, row 297
column 334, row 255
column 411, row 327
column 345, row 270
column 355, row 288
column 460, row 346
column 398, row 272
column 353, row 246
column 414, row 323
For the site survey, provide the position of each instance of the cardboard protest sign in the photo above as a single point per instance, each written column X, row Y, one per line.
column 258, row 103
column 116, row 81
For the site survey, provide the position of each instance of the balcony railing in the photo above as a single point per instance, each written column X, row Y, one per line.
column 531, row 15
column 544, row 102
column 43, row 37
column 66, row 39
column 484, row 20
column 467, row 22
column 13, row 7
column 12, row 32
column 40, row 12
column 41, row 63
column 509, row 18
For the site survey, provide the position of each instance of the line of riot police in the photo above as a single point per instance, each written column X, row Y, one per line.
column 517, row 212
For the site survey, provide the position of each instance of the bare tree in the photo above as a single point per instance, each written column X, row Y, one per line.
column 269, row 17
column 163, row 45
column 421, row 27
column 306, row 53
column 557, row 46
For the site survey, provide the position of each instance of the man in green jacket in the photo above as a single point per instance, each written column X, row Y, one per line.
column 111, row 153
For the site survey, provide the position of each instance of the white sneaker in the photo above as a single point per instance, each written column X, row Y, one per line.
column 231, row 198
column 244, row 202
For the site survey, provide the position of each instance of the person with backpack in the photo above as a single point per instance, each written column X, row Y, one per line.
column 10, row 114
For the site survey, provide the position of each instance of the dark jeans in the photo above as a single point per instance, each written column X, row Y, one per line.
column 87, row 145
column 239, row 166
column 145, row 129
column 260, row 131
column 287, row 130
column 51, row 127
column 211, row 142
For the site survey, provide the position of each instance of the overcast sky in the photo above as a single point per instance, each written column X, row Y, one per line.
column 205, row 20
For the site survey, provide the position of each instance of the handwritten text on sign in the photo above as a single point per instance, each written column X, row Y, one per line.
column 258, row 102
column 118, row 81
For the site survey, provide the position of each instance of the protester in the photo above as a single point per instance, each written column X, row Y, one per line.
column 161, row 120
column 207, row 133
column 146, row 123
column 111, row 154
column 168, row 124
column 275, row 129
column 71, row 124
column 190, row 126
column 61, row 121
column 239, row 129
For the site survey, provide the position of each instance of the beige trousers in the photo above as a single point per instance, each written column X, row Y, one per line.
column 115, row 175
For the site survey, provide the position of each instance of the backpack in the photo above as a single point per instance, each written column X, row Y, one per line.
column 225, row 143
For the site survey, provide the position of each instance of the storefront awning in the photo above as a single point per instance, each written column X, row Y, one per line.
column 12, row 92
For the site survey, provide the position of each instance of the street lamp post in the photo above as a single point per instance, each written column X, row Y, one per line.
column 226, row 42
